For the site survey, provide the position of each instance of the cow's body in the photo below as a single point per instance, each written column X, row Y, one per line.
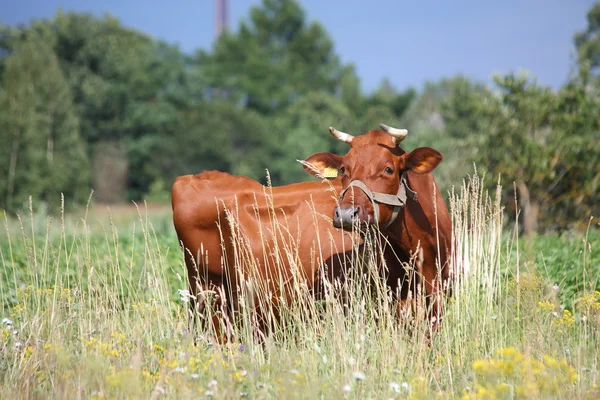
column 426, row 225
column 306, row 211
column 279, row 233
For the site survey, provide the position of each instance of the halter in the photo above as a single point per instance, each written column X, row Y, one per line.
column 398, row 200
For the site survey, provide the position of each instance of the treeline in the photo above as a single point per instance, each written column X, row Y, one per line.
column 88, row 103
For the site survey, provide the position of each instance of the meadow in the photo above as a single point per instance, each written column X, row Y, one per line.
column 93, row 305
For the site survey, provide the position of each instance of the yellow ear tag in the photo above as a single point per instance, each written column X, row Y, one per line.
column 330, row 172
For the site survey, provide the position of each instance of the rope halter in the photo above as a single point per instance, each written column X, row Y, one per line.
column 398, row 200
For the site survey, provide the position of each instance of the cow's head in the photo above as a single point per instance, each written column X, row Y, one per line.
column 374, row 187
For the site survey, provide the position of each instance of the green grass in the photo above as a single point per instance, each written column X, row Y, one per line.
column 94, row 312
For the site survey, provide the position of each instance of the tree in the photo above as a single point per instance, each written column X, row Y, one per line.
column 587, row 42
column 44, row 155
column 274, row 58
column 303, row 130
column 388, row 96
column 128, row 90
column 537, row 139
column 573, row 195
column 126, row 86
column 521, row 144
column 217, row 136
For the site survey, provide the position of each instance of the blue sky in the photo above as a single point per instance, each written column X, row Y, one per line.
column 405, row 40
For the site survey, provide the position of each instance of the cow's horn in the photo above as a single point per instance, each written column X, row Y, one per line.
column 398, row 134
column 344, row 137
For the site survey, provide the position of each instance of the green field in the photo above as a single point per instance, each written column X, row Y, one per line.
column 91, row 310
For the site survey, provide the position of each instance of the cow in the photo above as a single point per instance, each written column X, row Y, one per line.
column 232, row 228
column 394, row 190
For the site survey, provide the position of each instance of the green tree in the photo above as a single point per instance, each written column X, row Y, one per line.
column 125, row 85
column 587, row 42
column 274, row 58
column 43, row 155
column 574, row 193
column 538, row 140
column 521, row 144
column 303, row 130
column 219, row 136
column 388, row 96
column 449, row 115
column 129, row 91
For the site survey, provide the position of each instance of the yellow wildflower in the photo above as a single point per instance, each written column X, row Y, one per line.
column 546, row 306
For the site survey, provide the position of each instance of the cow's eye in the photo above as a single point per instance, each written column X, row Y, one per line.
column 389, row 170
column 342, row 170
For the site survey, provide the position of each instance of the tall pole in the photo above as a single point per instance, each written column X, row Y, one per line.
column 222, row 16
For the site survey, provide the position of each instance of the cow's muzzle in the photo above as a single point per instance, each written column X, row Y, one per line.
column 345, row 217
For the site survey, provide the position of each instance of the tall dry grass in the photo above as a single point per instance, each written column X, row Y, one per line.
column 92, row 318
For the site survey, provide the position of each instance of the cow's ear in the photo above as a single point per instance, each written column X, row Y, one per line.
column 423, row 160
column 322, row 165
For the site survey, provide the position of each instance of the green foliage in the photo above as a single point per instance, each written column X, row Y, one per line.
column 447, row 116
column 587, row 42
column 303, row 130
column 275, row 57
column 387, row 96
column 574, row 194
column 571, row 261
column 43, row 154
column 134, row 113
column 538, row 139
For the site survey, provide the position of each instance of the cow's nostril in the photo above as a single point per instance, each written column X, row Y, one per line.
column 355, row 213
column 336, row 213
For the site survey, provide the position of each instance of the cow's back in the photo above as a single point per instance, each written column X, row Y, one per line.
column 273, row 232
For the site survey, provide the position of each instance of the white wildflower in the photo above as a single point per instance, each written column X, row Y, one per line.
column 405, row 385
column 194, row 376
column 212, row 383
column 359, row 376
column 179, row 369
column 185, row 295
column 7, row 321
column 395, row 387
column 347, row 388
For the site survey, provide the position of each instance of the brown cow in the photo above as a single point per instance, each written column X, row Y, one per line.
column 280, row 237
column 284, row 235
column 388, row 187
